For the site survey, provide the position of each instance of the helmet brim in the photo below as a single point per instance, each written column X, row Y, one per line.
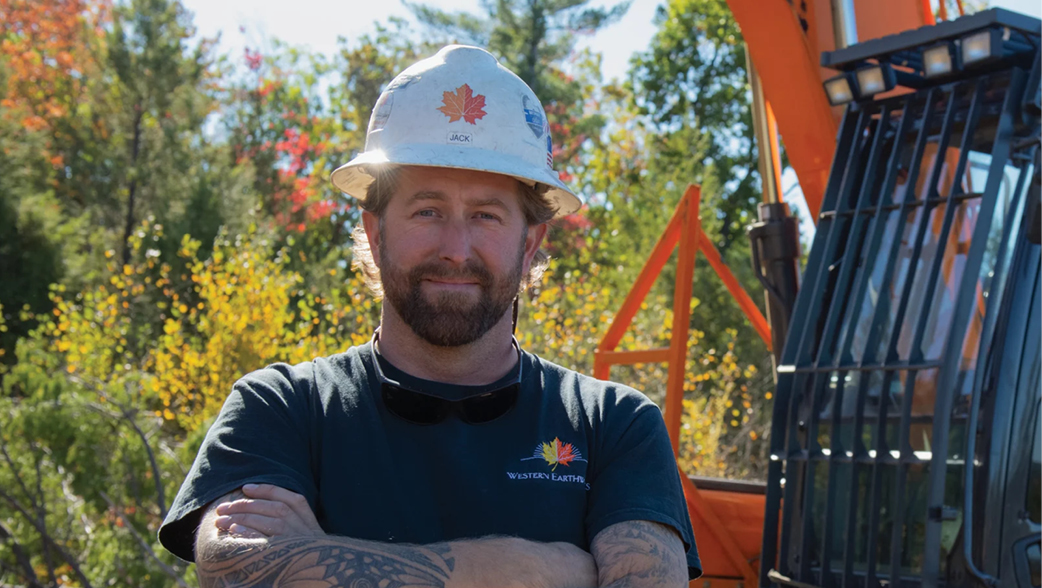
column 353, row 178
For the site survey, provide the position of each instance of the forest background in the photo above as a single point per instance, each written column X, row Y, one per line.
column 167, row 225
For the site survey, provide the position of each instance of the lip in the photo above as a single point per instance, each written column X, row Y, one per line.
column 450, row 283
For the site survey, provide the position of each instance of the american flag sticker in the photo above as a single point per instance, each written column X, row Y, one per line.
column 549, row 152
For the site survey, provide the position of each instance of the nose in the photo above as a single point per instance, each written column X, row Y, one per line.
column 455, row 243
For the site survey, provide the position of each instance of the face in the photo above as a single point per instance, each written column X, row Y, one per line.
column 451, row 247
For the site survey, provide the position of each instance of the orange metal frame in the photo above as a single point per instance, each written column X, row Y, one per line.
column 731, row 565
column 684, row 231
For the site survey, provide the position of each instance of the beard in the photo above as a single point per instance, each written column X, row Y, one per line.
column 450, row 319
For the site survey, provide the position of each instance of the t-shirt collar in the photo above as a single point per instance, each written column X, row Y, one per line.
column 443, row 389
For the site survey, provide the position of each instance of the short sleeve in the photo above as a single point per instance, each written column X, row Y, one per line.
column 262, row 435
column 635, row 475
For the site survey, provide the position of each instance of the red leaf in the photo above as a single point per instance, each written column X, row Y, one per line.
column 463, row 104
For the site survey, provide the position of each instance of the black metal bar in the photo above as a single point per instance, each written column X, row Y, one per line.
column 773, row 492
column 792, row 475
column 1011, row 228
column 900, row 479
column 819, row 289
column 801, row 311
column 783, row 434
column 838, row 303
column 915, row 353
column 859, row 457
column 887, row 459
column 839, row 298
column 889, row 207
column 870, row 367
column 877, row 228
column 836, row 456
column 809, row 467
column 852, row 175
column 880, row 313
column 882, row 309
column 965, row 297
column 1018, row 207
column 791, row 397
column 876, row 482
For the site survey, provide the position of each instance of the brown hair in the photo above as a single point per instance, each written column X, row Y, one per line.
column 534, row 204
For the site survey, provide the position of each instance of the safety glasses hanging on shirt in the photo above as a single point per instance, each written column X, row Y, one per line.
column 421, row 408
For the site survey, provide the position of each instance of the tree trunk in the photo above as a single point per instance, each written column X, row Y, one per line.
column 21, row 557
column 135, row 149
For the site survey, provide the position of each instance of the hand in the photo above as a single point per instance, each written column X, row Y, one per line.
column 580, row 564
column 268, row 511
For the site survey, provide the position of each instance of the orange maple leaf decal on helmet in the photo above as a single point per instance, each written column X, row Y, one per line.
column 463, row 103
column 556, row 453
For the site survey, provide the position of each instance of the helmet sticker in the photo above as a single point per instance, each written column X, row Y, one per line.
column 533, row 116
column 549, row 152
column 382, row 111
column 463, row 103
column 460, row 138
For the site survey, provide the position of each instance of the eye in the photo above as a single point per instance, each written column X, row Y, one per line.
column 487, row 216
column 426, row 212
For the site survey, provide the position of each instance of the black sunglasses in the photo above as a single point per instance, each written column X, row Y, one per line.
column 421, row 408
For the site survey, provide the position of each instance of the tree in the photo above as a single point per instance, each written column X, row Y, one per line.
column 680, row 118
column 46, row 57
column 159, row 105
column 692, row 85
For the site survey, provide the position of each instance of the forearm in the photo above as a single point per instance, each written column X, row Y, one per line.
column 306, row 562
column 639, row 554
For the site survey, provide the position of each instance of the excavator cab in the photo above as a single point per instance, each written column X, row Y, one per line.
column 905, row 443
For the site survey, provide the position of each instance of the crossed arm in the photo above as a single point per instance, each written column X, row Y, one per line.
column 267, row 536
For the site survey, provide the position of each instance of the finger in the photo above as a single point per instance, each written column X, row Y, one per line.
column 226, row 525
column 248, row 533
column 266, row 525
column 295, row 501
column 268, row 508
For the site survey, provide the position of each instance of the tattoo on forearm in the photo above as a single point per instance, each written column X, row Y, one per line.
column 316, row 562
column 324, row 562
column 641, row 551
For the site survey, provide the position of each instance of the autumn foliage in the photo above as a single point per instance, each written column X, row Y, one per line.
column 167, row 225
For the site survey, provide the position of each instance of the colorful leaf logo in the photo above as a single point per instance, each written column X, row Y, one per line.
column 556, row 453
column 463, row 103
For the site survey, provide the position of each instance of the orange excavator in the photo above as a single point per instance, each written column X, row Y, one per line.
column 906, row 434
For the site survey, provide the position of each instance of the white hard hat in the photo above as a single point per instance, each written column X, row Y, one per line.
column 459, row 109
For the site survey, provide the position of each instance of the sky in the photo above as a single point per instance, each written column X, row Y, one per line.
column 316, row 24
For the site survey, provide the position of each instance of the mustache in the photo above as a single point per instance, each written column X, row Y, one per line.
column 471, row 271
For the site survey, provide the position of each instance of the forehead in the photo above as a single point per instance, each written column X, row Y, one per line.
column 462, row 185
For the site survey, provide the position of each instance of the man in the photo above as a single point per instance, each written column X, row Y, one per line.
column 440, row 454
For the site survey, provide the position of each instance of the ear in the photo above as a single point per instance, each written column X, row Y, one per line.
column 533, row 242
column 372, row 233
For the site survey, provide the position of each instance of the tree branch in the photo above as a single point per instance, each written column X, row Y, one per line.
column 41, row 514
column 21, row 557
column 17, row 476
column 47, row 538
column 144, row 544
column 128, row 415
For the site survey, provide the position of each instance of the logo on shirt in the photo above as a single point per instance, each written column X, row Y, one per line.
column 554, row 453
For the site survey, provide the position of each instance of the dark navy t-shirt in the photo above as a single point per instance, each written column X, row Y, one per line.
column 320, row 429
